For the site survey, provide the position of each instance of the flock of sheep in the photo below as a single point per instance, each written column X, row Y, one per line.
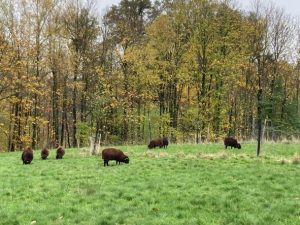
column 27, row 154
column 113, row 153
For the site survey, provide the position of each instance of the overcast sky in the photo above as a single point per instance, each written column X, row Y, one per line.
column 291, row 6
column 104, row 4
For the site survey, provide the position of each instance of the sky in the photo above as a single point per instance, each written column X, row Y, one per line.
column 291, row 7
column 104, row 4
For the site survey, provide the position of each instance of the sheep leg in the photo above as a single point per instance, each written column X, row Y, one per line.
column 105, row 163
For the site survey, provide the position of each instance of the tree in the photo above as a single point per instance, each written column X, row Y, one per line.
column 81, row 28
column 127, row 28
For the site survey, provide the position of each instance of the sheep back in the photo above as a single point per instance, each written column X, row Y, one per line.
column 60, row 152
column 44, row 153
column 27, row 156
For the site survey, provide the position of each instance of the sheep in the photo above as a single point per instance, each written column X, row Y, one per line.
column 44, row 153
column 60, row 152
column 232, row 142
column 159, row 142
column 114, row 154
column 156, row 143
column 27, row 156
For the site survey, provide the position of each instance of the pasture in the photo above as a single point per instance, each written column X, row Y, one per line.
column 185, row 184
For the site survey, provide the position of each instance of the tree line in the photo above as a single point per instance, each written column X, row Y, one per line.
column 192, row 70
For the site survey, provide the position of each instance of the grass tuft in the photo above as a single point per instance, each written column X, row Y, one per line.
column 180, row 154
column 296, row 159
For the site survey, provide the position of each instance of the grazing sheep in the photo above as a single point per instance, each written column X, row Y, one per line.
column 232, row 142
column 156, row 143
column 114, row 154
column 44, row 153
column 159, row 142
column 165, row 142
column 60, row 152
column 27, row 156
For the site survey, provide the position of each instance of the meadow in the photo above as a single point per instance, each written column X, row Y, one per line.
column 185, row 184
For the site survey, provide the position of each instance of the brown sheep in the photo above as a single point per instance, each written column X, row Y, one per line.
column 60, row 152
column 159, row 142
column 44, row 153
column 156, row 143
column 27, row 156
column 114, row 154
column 232, row 142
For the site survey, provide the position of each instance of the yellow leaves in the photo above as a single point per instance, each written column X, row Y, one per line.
column 161, row 33
column 25, row 139
column 114, row 103
column 14, row 99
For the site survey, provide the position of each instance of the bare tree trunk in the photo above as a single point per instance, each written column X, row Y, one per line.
column 74, row 111
column 55, row 108
column 64, row 113
column 34, row 125
column 83, row 106
column 139, row 126
column 97, row 135
column 126, row 99
column 9, row 144
column 259, row 121
column 149, row 124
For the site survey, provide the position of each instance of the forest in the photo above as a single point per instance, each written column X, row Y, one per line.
column 192, row 70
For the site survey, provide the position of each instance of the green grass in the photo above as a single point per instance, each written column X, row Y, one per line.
column 186, row 184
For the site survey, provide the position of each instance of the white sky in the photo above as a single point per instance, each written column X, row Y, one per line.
column 104, row 4
column 292, row 7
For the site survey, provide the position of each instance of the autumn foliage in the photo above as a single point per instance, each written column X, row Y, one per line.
column 191, row 70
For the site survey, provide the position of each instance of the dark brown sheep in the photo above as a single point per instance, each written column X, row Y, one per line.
column 114, row 154
column 27, row 156
column 159, row 142
column 232, row 142
column 60, row 152
column 156, row 143
column 44, row 153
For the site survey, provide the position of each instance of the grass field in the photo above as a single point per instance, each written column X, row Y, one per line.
column 185, row 184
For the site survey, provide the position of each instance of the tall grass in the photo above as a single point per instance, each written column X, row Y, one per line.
column 185, row 184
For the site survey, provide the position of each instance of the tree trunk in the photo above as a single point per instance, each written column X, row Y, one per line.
column 259, row 121
column 64, row 112
column 126, row 99
column 34, row 125
column 149, row 125
column 55, row 108
column 74, row 111
column 97, row 135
